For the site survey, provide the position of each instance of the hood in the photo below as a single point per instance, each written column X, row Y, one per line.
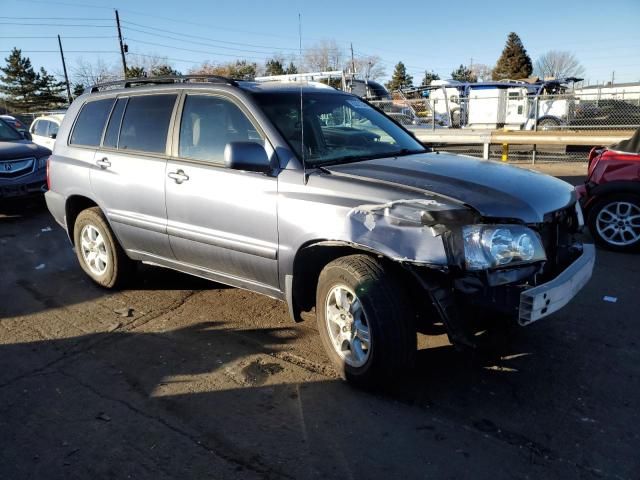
column 22, row 149
column 493, row 189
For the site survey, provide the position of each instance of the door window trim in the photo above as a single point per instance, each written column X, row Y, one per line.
column 175, row 136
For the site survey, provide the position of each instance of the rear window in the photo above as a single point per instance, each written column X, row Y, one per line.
column 90, row 123
column 146, row 123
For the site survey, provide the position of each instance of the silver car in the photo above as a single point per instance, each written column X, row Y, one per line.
column 314, row 197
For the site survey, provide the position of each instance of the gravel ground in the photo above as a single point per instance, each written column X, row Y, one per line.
column 177, row 377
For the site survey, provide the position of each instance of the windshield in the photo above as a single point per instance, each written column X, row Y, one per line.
column 337, row 128
column 8, row 133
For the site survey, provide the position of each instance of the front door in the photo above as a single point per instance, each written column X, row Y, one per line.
column 221, row 221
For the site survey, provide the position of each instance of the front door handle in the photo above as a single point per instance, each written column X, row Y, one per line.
column 103, row 163
column 179, row 176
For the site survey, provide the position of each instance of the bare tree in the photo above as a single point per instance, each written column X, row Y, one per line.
column 324, row 56
column 149, row 64
column 369, row 67
column 87, row 73
column 558, row 64
column 482, row 72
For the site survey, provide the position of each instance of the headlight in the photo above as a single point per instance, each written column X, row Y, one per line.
column 42, row 162
column 489, row 246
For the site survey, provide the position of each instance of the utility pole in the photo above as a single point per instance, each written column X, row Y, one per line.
column 613, row 77
column 353, row 62
column 64, row 68
column 122, row 46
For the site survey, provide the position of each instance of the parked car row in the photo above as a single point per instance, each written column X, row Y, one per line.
column 22, row 163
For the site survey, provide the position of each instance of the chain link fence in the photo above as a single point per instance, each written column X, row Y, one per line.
column 514, row 111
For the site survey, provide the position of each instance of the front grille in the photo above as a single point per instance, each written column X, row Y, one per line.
column 16, row 168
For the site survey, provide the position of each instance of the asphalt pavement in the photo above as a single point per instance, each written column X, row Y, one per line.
column 178, row 377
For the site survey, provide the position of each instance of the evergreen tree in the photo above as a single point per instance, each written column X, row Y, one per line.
column 428, row 78
column 242, row 70
column 77, row 90
column 51, row 93
column 274, row 67
column 19, row 83
column 291, row 69
column 136, row 71
column 163, row 71
column 400, row 78
column 514, row 63
column 464, row 74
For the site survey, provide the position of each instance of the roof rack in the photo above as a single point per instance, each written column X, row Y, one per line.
column 132, row 82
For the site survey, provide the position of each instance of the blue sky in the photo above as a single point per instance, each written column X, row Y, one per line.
column 437, row 36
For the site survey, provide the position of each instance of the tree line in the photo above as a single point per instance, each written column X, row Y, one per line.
column 513, row 64
column 25, row 90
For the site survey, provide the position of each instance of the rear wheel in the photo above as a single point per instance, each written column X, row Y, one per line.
column 614, row 222
column 98, row 251
column 364, row 320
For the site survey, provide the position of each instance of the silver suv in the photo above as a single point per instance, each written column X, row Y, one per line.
column 314, row 197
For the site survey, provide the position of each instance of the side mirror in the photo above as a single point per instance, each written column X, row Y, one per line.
column 26, row 135
column 53, row 135
column 249, row 156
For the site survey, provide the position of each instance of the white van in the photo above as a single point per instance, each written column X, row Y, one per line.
column 44, row 129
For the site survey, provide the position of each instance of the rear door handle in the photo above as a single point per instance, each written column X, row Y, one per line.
column 179, row 176
column 103, row 163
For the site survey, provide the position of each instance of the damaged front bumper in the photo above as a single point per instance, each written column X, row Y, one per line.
column 542, row 300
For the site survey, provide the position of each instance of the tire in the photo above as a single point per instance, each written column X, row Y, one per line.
column 548, row 124
column 379, row 323
column 99, row 253
column 614, row 222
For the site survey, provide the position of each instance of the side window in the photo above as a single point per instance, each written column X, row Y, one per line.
column 90, row 123
column 40, row 128
column 53, row 128
column 208, row 124
column 113, row 129
column 146, row 123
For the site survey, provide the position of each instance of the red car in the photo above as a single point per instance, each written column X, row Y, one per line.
column 610, row 197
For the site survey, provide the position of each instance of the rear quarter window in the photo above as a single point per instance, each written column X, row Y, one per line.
column 90, row 123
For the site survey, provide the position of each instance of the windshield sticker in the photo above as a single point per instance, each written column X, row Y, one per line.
column 355, row 103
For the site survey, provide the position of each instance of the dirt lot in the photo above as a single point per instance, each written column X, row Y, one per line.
column 183, row 378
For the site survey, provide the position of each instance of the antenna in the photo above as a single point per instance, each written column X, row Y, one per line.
column 301, row 102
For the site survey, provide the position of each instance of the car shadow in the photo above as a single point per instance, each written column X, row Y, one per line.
column 40, row 269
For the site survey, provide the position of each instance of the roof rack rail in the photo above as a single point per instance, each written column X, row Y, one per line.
column 131, row 82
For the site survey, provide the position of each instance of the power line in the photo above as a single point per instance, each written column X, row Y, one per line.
column 55, row 25
column 67, row 51
column 181, row 34
column 266, row 54
column 57, row 18
column 53, row 36
column 189, row 41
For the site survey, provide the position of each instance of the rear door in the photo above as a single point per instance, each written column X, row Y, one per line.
column 220, row 220
column 129, row 171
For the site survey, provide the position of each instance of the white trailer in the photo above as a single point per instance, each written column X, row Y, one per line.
column 513, row 105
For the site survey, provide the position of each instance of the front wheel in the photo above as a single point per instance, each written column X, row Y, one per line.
column 614, row 222
column 364, row 319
